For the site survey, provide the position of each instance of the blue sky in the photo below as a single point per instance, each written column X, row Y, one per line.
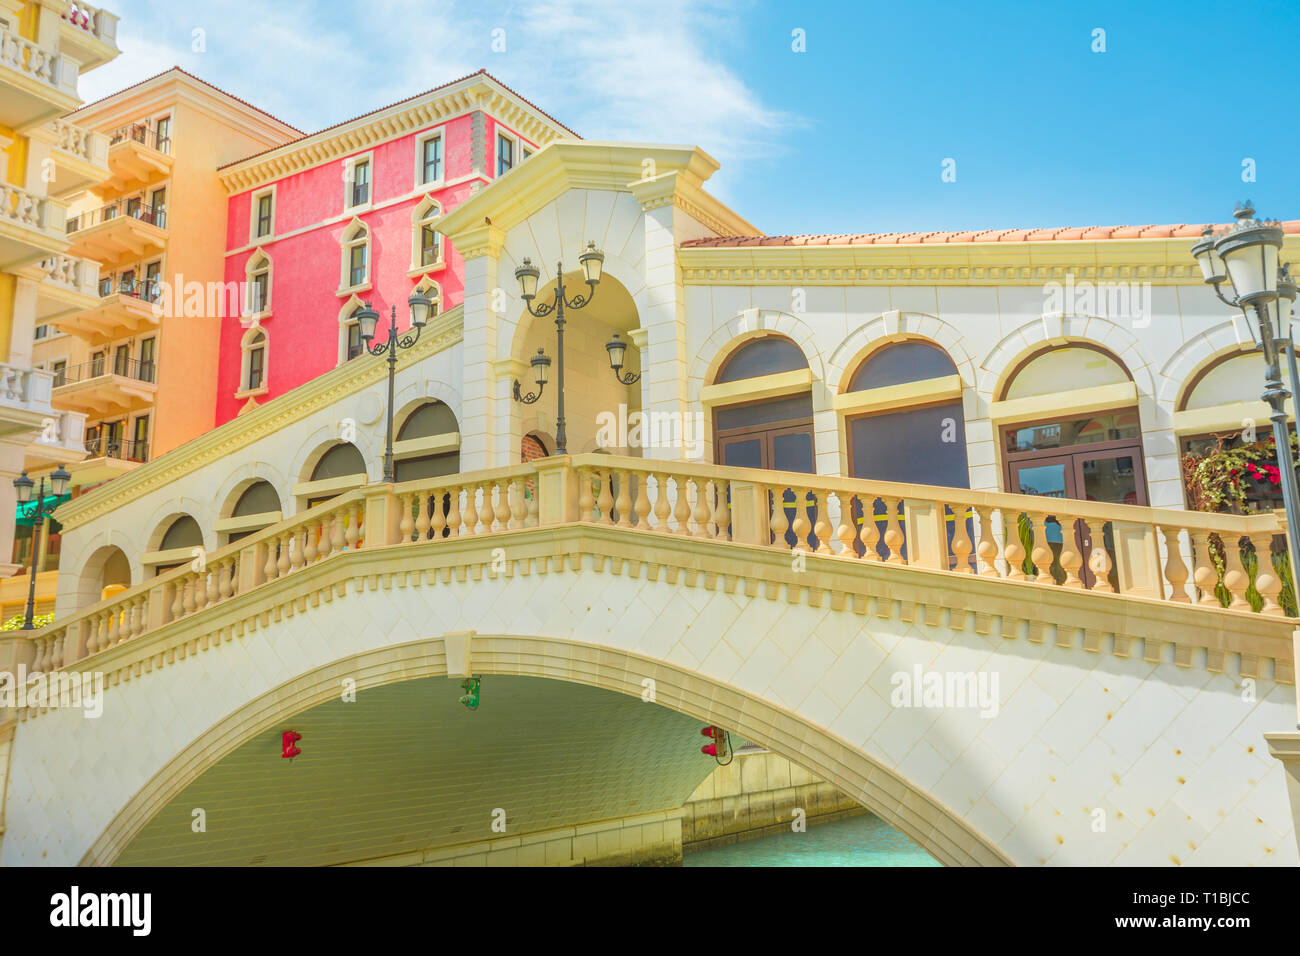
column 850, row 135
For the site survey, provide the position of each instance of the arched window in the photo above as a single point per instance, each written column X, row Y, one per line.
column 351, row 344
column 426, row 241
column 257, row 276
column 427, row 443
column 903, row 417
column 430, row 289
column 253, row 372
column 356, row 256
column 183, row 534
column 774, row 431
column 257, row 507
column 339, row 469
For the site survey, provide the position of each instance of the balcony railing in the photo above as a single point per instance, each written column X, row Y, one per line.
column 149, row 290
column 26, row 209
column 70, row 272
column 115, row 210
column 32, row 60
column 122, row 449
column 100, row 24
column 144, row 133
column 97, row 367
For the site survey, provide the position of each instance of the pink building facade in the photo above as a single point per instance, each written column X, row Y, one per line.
column 322, row 225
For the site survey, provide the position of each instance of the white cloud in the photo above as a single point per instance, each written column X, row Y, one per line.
column 624, row 71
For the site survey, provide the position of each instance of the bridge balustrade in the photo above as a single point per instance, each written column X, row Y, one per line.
column 947, row 530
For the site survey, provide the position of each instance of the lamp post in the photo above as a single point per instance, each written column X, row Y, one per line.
column 591, row 261
column 368, row 318
column 1246, row 255
column 24, row 485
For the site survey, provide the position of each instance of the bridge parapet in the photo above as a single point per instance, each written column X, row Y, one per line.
column 999, row 545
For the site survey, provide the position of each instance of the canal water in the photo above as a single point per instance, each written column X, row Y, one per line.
column 863, row 840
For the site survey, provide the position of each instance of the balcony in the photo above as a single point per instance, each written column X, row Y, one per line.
column 108, row 456
column 31, row 227
column 25, row 396
column 88, row 34
column 138, row 158
column 103, row 389
column 80, row 156
column 122, row 230
column 65, row 287
column 36, row 84
column 122, row 308
column 61, row 441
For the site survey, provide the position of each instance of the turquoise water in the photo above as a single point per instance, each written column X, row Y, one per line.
column 864, row 840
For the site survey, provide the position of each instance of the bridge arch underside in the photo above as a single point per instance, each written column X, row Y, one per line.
column 1173, row 755
column 563, row 736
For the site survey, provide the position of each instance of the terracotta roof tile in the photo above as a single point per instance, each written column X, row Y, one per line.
column 1087, row 233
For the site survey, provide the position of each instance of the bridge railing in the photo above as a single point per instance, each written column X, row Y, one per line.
column 1127, row 550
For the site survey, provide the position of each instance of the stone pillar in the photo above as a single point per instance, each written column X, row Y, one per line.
column 13, row 452
column 479, row 394
column 1286, row 748
column 664, row 364
column 23, row 324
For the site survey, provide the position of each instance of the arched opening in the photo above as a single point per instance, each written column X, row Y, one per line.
column 427, row 443
column 1218, row 412
column 904, row 419
column 341, row 468
column 773, row 431
column 595, row 402
column 1078, row 436
column 106, row 573
column 176, row 541
column 257, row 507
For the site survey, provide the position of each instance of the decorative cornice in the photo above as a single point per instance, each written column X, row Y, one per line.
column 1158, row 261
column 474, row 93
column 255, row 423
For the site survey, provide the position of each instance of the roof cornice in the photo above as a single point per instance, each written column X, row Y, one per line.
column 676, row 176
column 476, row 92
column 293, row 406
column 1162, row 261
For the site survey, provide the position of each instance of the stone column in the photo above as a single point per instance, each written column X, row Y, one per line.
column 480, row 249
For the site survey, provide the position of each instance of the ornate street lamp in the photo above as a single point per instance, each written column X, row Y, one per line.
column 617, row 349
column 368, row 318
column 527, row 274
column 24, row 485
column 1246, row 256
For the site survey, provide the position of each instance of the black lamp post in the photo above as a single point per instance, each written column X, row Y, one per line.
column 368, row 318
column 24, row 485
column 1246, row 255
column 617, row 349
column 591, row 261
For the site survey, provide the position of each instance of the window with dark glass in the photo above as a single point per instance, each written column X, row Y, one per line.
column 355, row 342
column 428, row 245
column 256, row 364
column 147, row 360
column 264, row 215
column 360, row 183
column 258, row 292
column 139, row 450
column 152, row 287
column 164, row 135
column 432, row 159
column 122, row 360
column 97, row 364
column 766, row 356
column 60, row 370
column 357, row 264
column 160, row 208
column 505, row 154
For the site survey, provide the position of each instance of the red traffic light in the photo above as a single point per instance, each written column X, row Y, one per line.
column 716, row 735
column 287, row 740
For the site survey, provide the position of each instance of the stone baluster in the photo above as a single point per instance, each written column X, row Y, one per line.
column 722, row 510
column 423, row 520
column 987, row 549
column 405, row 527
column 518, row 507
column 662, row 506
column 1012, row 548
column 893, row 532
column 1097, row 557
column 469, row 517
column 605, row 499
column 141, row 617
column 1205, row 575
column 437, row 520
column 700, row 513
column 40, row 663
column 310, row 551
column 453, row 515
column 338, row 538
column 1071, row 558
column 1042, row 551
column 297, row 540
column 352, row 533
column 780, row 523
column 56, row 652
column 682, row 509
column 1235, row 580
column 869, row 533
column 822, row 525
column 191, row 587
column 961, row 539
column 623, row 503
column 642, row 505
column 844, row 531
column 271, row 570
column 178, row 598
column 283, row 545
column 801, row 525
column 531, row 520
column 213, row 587
column 586, row 501
column 503, row 505
column 114, row 626
column 1175, row 570
column 224, row 575
column 1267, row 582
